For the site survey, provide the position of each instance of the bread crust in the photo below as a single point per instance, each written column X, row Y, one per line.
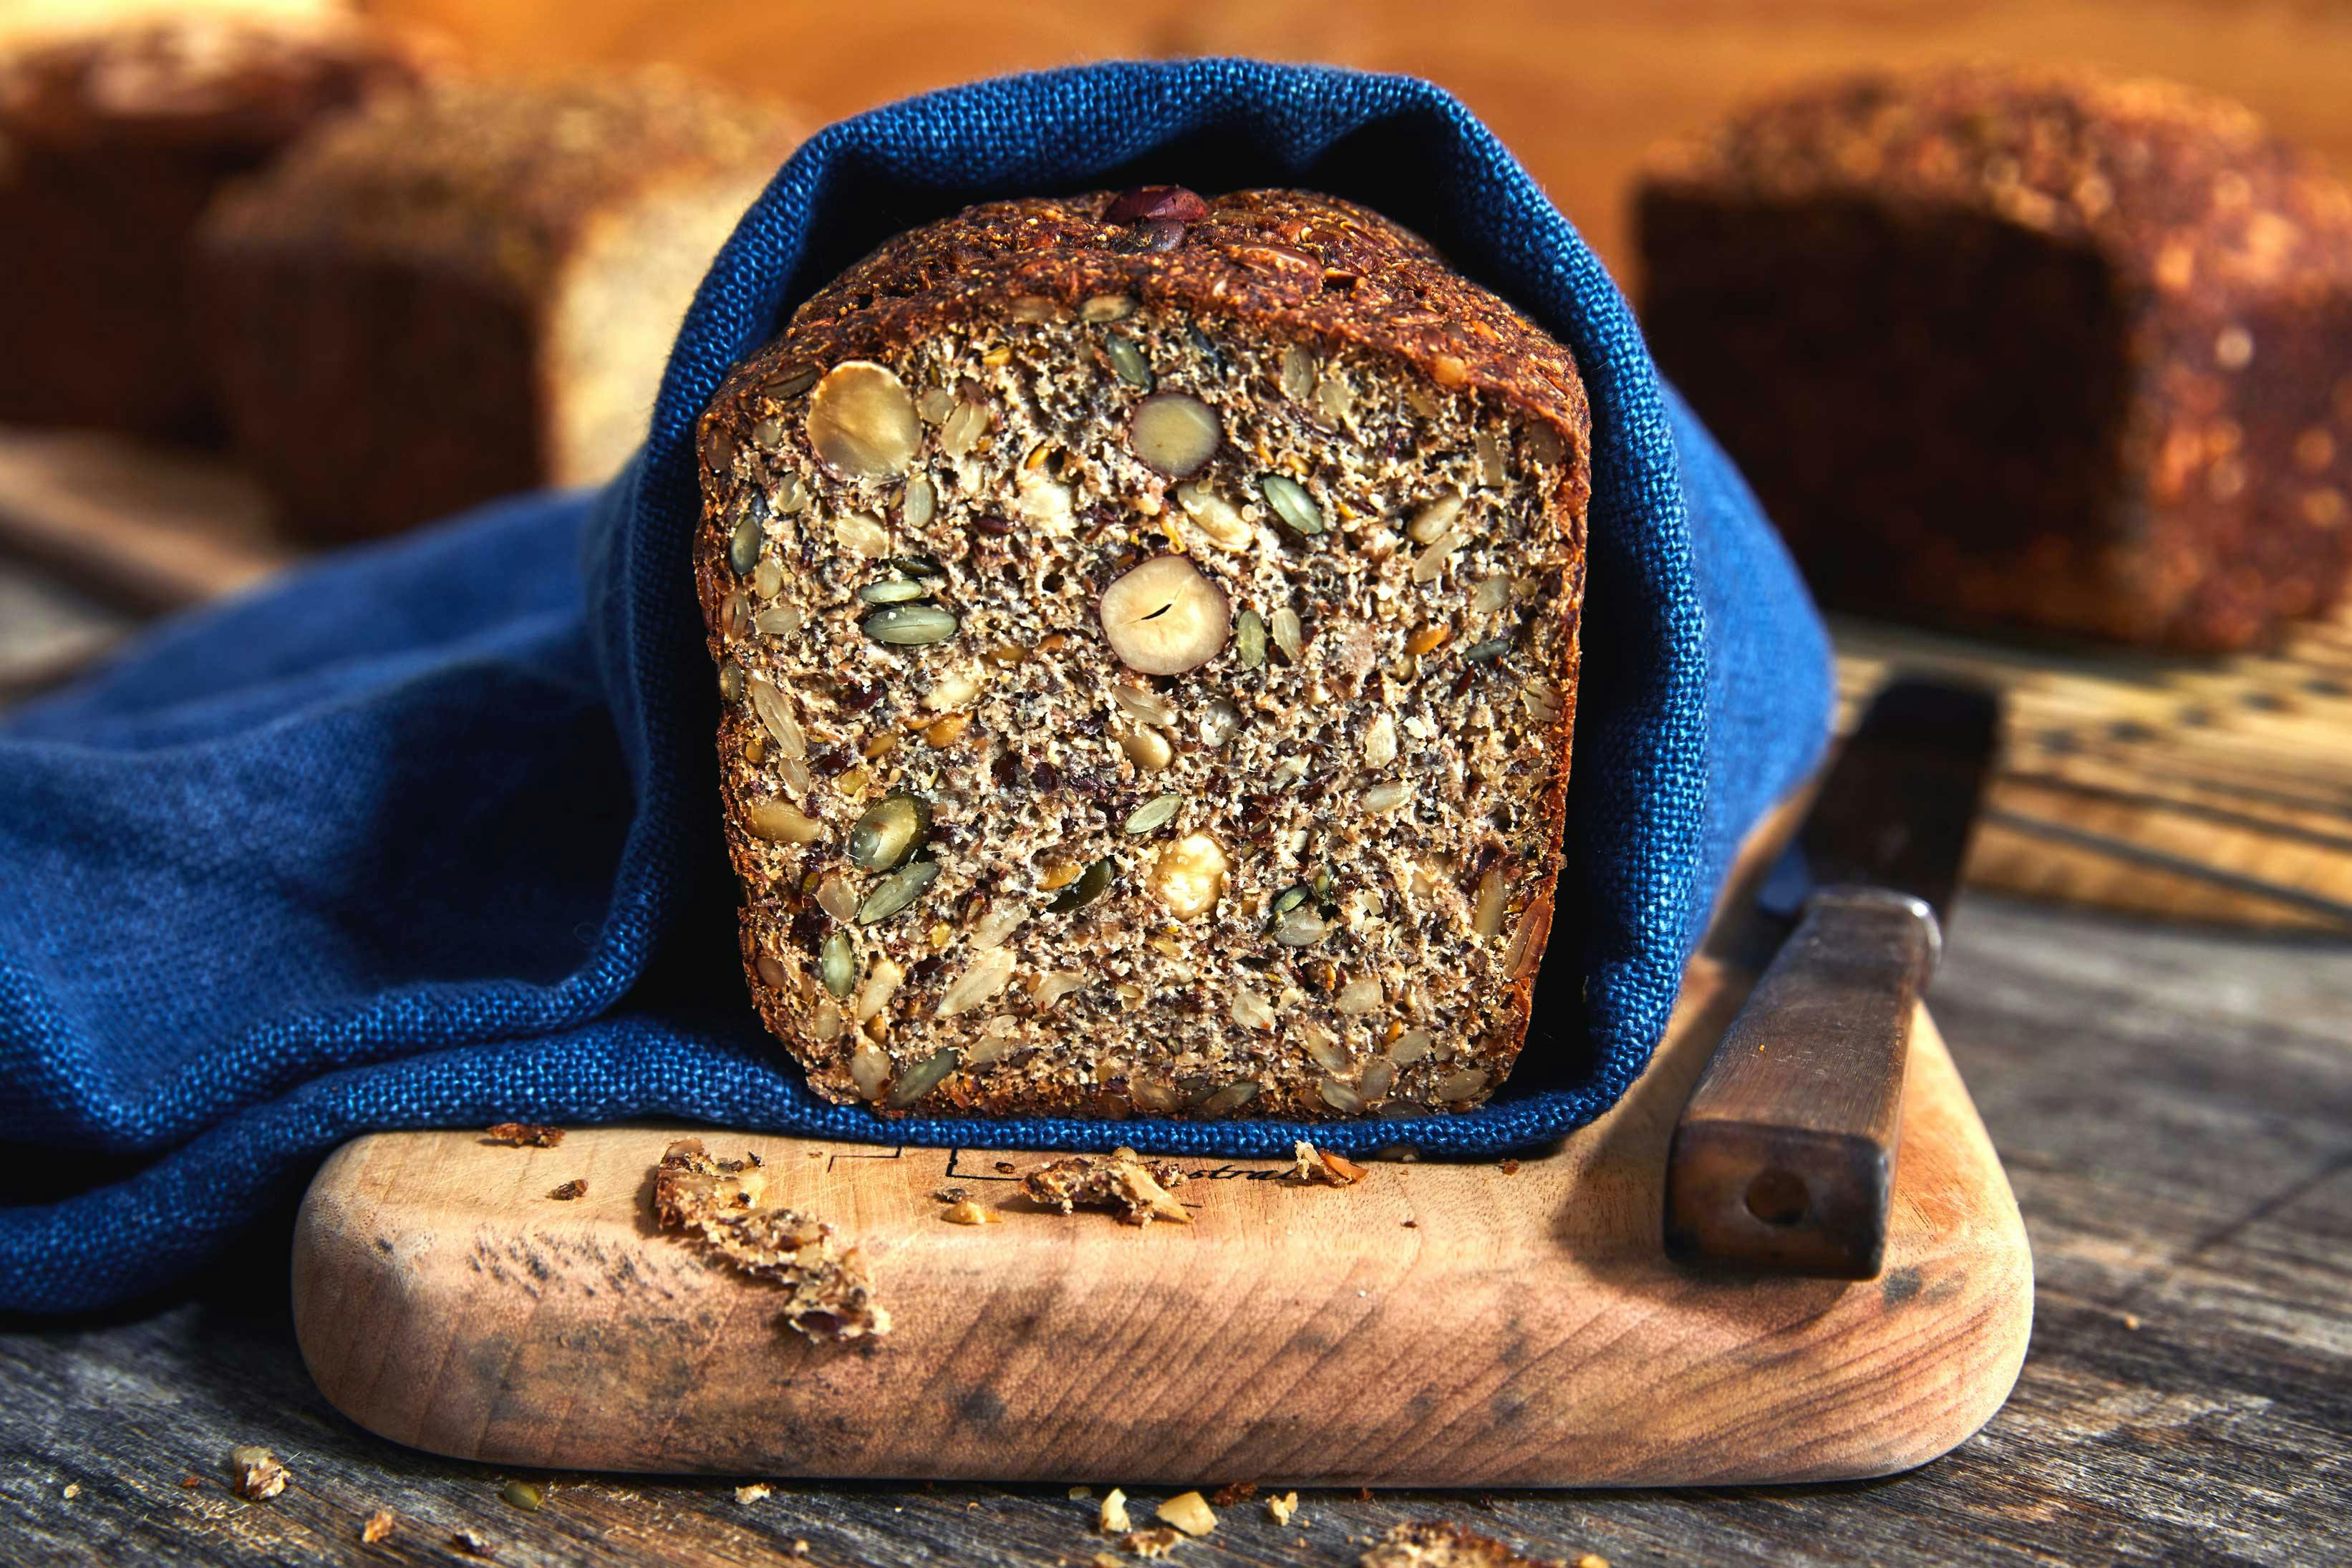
column 1299, row 264
column 113, row 140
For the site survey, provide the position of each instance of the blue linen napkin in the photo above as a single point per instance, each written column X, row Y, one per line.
column 427, row 835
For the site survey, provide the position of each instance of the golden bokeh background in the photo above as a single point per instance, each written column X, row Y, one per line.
column 1579, row 89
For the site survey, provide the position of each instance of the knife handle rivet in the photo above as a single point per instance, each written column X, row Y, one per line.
column 1778, row 1198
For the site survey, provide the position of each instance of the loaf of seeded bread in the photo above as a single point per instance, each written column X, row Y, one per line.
column 2024, row 347
column 1147, row 633
column 471, row 290
column 113, row 140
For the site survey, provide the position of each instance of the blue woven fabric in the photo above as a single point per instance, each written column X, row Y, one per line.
column 427, row 836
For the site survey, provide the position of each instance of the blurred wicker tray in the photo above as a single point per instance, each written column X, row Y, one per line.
column 2201, row 789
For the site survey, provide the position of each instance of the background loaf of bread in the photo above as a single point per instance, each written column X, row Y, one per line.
column 472, row 290
column 113, row 137
column 2022, row 346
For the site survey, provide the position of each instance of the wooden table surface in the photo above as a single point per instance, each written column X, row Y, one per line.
column 2175, row 1109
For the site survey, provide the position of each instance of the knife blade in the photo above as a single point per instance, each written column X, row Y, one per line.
column 1783, row 1161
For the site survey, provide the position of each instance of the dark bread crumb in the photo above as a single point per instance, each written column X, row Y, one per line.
column 1440, row 1543
column 523, row 1135
column 1133, row 1188
column 723, row 1205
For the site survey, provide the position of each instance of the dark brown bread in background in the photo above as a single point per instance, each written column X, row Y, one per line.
column 112, row 143
column 1305, row 871
column 2032, row 348
column 471, row 290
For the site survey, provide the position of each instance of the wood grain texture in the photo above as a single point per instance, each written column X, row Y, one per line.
column 145, row 526
column 1525, row 1331
column 1785, row 1157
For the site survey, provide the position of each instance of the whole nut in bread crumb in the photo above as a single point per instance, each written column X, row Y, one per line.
column 1311, row 1165
column 1189, row 1512
column 1135, row 1189
column 1163, row 617
column 254, row 1473
column 723, row 1205
column 1175, row 434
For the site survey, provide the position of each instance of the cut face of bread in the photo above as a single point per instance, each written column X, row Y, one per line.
column 1143, row 702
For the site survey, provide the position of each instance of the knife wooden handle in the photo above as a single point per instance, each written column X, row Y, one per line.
column 1784, row 1158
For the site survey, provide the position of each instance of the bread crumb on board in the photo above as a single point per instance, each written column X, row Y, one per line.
column 1309, row 1164
column 1440, row 1543
column 573, row 1188
column 754, row 1491
column 1282, row 1510
column 522, row 1135
column 254, row 1473
column 1157, row 1542
column 1115, row 1520
column 1133, row 1188
column 378, row 1527
column 723, row 1204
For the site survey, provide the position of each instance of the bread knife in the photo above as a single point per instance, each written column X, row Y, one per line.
column 1783, row 1161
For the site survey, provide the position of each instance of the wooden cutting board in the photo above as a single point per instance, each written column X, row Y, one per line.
column 1481, row 1323
column 2215, row 790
